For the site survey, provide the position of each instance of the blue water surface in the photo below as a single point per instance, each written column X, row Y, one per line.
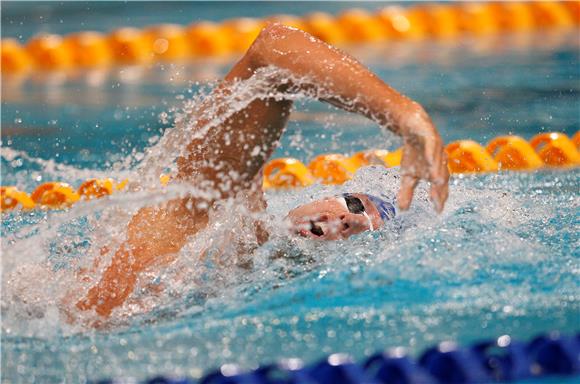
column 503, row 258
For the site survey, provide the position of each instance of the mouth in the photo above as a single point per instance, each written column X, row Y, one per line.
column 313, row 230
column 316, row 230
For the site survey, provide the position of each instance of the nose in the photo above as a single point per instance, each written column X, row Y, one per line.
column 330, row 227
column 344, row 223
column 322, row 218
column 352, row 224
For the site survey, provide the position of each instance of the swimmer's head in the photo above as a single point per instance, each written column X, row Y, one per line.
column 339, row 217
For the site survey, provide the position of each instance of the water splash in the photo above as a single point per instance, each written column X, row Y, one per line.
column 501, row 254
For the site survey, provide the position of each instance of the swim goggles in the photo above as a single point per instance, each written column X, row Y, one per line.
column 354, row 205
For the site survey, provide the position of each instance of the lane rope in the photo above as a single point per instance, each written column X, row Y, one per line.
column 512, row 153
column 172, row 42
column 487, row 361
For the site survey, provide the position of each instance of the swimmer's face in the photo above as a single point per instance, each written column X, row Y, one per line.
column 335, row 218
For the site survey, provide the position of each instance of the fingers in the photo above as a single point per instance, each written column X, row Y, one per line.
column 408, row 184
column 432, row 150
column 425, row 160
column 438, row 174
column 439, row 193
column 439, row 178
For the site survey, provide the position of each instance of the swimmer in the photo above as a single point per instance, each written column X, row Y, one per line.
column 340, row 217
column 224, row 164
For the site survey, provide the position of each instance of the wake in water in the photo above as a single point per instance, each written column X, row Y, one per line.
column 501, row 259
column 52, row 258
column 41, row 261
column 119, row 257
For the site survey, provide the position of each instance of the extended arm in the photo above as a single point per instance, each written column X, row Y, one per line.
column 228, row 159
column 333, row 76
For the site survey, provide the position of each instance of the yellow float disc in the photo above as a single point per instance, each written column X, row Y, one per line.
column 129, row 46
column 477, row 18
column 324, row 26
column 551, row 14
column 359, row 25
column 441, row 21
column 88, row 49
column 513, row 152
column 513, row 16
column 49, row 52
column 401, row 23
column 576, row 140
column 167, row 42
column 468, row 156
column 241, row 32
column 285, row 173
column 332, row 168
column 207, row 39
column 15, row 59
column 11, row 197
column 95, row 188
column 54, row 195
column 555, row 149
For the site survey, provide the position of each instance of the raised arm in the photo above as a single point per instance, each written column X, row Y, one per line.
column 332, row 76
column 228, row 158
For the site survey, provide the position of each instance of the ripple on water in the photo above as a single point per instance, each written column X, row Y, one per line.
column 502, row 258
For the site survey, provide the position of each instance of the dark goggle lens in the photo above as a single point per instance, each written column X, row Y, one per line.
column 354, row 204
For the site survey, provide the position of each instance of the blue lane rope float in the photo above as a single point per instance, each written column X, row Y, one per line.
column 499, row 360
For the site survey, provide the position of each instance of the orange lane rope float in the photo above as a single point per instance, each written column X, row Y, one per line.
column 54, row 195
column 465, row 156
column 286, row 172
column 88, row 49
column 12, row 197
column 556, row 149
column 170, row 42
column 576, row 140
column 513, row 152
column 128, row 46
column 95, row 188
column 332, row 168
column 468, row 156
column 167, row 42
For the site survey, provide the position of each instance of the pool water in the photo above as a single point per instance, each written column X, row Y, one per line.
column 502, row 258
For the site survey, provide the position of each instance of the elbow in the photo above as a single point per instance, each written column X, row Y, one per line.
column 273, row 37
column 275, row 31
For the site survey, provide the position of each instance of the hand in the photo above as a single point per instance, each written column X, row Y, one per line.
column 423, row 158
